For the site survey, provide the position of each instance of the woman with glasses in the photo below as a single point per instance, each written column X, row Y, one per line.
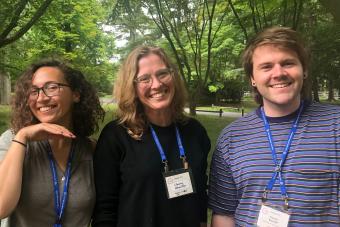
column 46, row 169
column 150, row 164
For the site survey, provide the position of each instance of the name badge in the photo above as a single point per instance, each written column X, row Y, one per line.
column 179, row 183
column 270, row 217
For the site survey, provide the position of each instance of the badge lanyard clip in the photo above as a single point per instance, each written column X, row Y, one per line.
column 185, row 163
column 264, row 196
column 286, row 205
column 166, row 166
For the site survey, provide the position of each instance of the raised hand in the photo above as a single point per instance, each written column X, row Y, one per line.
column 43, row 131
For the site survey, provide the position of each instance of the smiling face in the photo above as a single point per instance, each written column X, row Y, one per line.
column 56, row 109
column 278, row 77
column 156, row 96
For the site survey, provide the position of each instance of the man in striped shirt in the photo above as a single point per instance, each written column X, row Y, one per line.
column 280, row 164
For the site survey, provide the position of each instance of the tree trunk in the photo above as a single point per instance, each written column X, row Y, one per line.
column 5, row 89
column 192, row 109
column 330, row 90
column 315, row 90
column 192, row 104
column 195, row 93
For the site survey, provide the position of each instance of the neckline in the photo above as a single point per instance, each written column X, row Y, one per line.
column 162, row 127
column 45, row 144
column 285, row 118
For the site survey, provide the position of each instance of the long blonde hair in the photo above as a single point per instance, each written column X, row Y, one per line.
column 130, row 110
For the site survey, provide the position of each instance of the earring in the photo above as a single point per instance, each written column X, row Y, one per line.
column 253, row 84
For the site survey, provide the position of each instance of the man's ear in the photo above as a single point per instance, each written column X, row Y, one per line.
column 253, row 83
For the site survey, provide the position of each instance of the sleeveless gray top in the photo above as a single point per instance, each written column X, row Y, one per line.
column 36, row 203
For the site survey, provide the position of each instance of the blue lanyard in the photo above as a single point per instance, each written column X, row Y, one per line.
column 161, row 151
column 278, row 166
column 59, row 206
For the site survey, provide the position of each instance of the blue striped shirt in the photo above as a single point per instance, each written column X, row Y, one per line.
column 242, row 165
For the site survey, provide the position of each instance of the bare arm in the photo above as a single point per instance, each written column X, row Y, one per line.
column 222, row 221
column 10, row 177
column 11, row 167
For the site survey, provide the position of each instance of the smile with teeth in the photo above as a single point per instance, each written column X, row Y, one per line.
column 282, row 85
column 46, row 108
column 158, row 94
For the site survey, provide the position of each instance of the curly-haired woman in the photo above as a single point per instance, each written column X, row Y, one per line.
column 150, row 164
column 46, row 174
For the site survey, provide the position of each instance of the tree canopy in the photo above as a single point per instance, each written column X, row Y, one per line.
column 18, row 17
column 70, row 30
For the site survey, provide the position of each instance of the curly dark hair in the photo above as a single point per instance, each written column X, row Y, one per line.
column 86, row 112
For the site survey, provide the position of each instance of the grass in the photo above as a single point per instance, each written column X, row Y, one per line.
column 247, row 104
column 109, row 116
column 213, row 125
column 335, row 102
column 4, row 117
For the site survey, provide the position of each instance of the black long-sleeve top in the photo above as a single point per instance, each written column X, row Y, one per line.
column 130, row 187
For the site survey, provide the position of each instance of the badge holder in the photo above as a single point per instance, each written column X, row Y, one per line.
column 178, row 182
column 272, row 216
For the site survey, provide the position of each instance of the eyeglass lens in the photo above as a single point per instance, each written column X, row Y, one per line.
column 49, row 89
column 162, row 75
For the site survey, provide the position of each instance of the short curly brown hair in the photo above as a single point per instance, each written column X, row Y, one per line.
column 86, row 112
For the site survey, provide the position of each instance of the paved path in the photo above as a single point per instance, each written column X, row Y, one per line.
column 224, row 114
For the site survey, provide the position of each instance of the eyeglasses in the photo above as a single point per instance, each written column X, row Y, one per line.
column 50, row 89
column 162, row 75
